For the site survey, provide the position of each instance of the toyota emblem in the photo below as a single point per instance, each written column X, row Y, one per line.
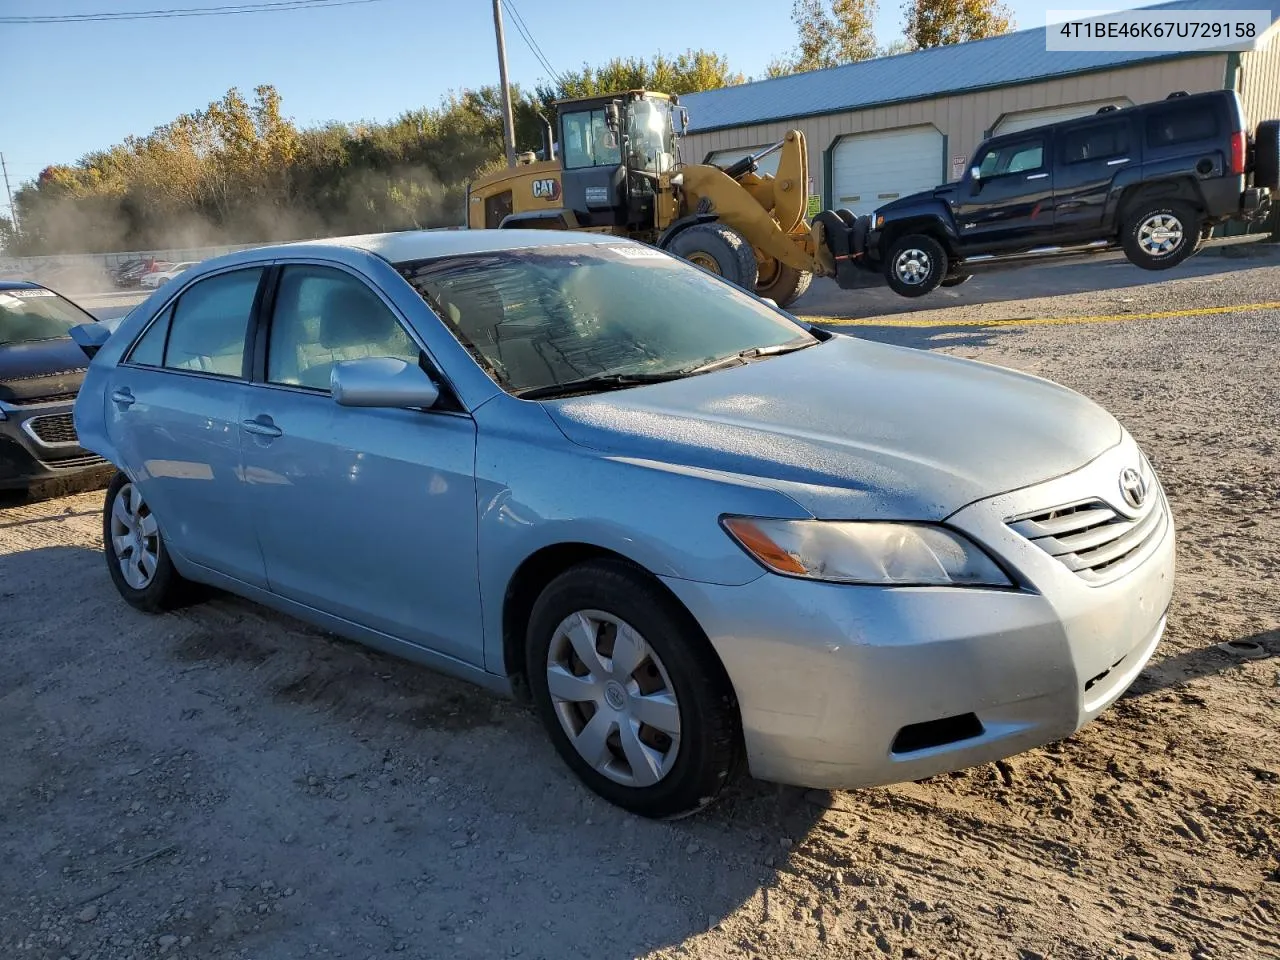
column 1133, row 487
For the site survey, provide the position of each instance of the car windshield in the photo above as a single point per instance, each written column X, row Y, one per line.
column 548, row 316
column 28, row 314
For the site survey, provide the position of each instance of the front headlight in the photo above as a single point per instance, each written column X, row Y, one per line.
column 896, row 554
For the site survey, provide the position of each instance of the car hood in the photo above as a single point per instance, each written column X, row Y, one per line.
column 39, row 369
column 854, row 429
column 944, row 193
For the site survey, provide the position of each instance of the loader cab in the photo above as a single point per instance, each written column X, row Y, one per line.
column 614, row 150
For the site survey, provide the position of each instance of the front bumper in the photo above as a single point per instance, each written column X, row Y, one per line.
column 38, row 442
column 845, row 686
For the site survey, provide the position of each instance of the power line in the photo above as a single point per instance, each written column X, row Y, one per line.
column 527, row 34
column 223, row 10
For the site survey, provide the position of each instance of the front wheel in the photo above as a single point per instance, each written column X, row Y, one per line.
column 1160, row 234
column 915, row 265
column 718, row 249
column 780, row 282
column 630, row 691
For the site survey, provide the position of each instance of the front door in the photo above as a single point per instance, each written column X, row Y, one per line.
column 366, row 514
column 1090, row 156
column 173, row 407
column 1009, row 206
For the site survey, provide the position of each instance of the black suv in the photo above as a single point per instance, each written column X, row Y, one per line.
column 1153, row 179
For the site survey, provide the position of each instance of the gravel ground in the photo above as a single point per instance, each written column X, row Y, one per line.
column 226, row 783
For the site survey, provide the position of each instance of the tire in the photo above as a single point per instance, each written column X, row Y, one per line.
column 847, row 215
column 956, row 280
column 678, row 776
column 718, row 249
column 785, row 286
column 165, row 589
column 1147, row 230
column 1266, row 155
column 916, row 265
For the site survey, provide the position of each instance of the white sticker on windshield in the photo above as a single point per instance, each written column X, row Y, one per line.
column 27, row 294
column 638, row 253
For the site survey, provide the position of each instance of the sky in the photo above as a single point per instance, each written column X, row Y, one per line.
column 69, row 88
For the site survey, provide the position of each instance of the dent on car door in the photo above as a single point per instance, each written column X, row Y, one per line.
column 173, row 410
column 364, row 513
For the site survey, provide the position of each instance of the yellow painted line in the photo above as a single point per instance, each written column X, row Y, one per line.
column 1042, row 321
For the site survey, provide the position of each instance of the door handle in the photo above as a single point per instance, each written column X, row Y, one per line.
column 262, row 426
column 124, row 397
column 1037, row 176
column 1116, row 163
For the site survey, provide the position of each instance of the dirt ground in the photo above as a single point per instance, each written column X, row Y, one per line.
column 226, row 783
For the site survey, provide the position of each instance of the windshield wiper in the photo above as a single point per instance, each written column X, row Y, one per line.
column 599, row 384
column 746, row 356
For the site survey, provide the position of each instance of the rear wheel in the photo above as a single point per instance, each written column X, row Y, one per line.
column 630, row 692
column 781, row 283
column 1266, row 155
column 1160, row 234
column 137, row 559
column 718, row 249
column 916, row 265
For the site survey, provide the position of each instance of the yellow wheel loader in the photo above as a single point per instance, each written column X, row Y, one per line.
column 619, row 172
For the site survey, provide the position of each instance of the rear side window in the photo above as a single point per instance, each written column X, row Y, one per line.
column 149, row 350
column 207, row 331
column 1100, row 141
column 1169, row 127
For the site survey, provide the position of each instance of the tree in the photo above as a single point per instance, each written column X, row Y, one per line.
column 936, row 23
column 829, row 33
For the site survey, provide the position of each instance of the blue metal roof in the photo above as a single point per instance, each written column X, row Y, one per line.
column 999, row 61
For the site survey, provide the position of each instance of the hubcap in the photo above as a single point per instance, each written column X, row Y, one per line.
column 135, row 537
column 1160, row 234
column 913, row 266
column 613, row 698
column 705, row 261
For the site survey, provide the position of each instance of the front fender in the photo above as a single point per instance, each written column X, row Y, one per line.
column 932, row 217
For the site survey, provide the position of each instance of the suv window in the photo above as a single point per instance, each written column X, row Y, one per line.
column 1173, row 125
column 322, row 316
column 1019, row 156
column 588, row 141
column 208, row 325
column 1098, row 141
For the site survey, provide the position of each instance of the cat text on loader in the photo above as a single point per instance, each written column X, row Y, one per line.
column 619, row 172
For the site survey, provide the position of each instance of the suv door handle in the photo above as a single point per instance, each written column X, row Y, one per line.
column 1116, row 163
column 124, row 397
column 262, row 425
column 1037, row 176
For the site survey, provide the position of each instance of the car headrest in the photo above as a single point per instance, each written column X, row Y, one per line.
column 350, row 315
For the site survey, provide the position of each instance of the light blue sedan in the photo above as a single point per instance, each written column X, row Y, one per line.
column 695, row 531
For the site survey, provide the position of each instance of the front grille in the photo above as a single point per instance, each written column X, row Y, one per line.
column 1093, row 540
column 51, row 398
column 59, row 428
column 71, row 463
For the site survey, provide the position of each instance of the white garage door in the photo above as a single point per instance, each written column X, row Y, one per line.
column 1026, row 119
column 722, row 158
column 870, row 169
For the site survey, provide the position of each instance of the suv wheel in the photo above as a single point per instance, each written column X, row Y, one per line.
column 630, row 691
column 136, row 556
column 1161, row 234
column 718, row 249
column 915, row 265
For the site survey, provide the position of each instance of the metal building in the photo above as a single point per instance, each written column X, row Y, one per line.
column 889, row 127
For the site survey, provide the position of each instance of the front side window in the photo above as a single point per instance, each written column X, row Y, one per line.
column 34, row 313
column 588, row 141
column 1020, row 157
column 210, row 320
column 323, row 316
column 542, row 317
column 649, row 136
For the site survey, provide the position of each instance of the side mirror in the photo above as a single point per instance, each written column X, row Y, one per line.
column 92, row 337
column 684, row 120
column 975, row 174
column 611, row 116
column 381, row 382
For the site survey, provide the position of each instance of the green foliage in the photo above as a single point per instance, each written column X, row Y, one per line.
column 829, row 33
column 239, row 171
column 936, row 23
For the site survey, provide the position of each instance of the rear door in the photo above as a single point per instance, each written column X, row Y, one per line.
column 173, row 411
column 1090, row 156
column 1009, row 207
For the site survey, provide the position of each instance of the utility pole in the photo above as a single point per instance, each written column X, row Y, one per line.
column 13, row 214
column 508, row 124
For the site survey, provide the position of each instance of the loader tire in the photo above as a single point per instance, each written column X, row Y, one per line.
column 717, row 249
column 1266, row 155
column 782, row 284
